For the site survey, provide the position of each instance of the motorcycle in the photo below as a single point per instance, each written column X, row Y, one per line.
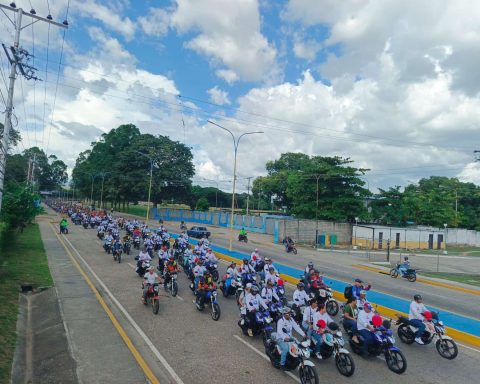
column 409, row 274
column 127, row 246
column 263, row 325
column 92, row 224
column 333, row 345
column 152, row 298
column 63, row 230
column 143, row 267
column 107, row 247
column 243, row 238
column 211, row 298
column 212, row 268
column 85, row 224
column 384, row 343
column 101, row 235
column 235, row 286
column 331, row 305
column 291, row 248
column 136, row 242
column 280, row 289
column 298, row 357
column 117, row 254
column 171, row 284
column 435, row 330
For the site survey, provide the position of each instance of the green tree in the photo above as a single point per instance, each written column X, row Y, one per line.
column 20, row 205
column 202, row 204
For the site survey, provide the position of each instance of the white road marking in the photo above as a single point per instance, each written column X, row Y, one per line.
column 264, row 356
column 131, row 265
column 152, row 347
column 472, row 349
column 180, row 298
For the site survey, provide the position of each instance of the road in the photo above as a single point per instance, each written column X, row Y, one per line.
column 340, row 266
column 198, row 349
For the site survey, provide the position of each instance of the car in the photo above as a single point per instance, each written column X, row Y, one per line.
column 198, row 232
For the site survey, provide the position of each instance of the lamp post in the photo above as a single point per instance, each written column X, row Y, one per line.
column 356, row 223
column 236, row 142
column 316, row 214
column 91, row 190
column 445, row 247
column 151, row 159
column 102, row 175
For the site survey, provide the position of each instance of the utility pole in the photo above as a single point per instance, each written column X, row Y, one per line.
column 16, row 60
column 34, row 163
column 248, row 191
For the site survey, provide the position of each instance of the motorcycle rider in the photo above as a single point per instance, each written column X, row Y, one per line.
column 266, row 268
column 171, row 267
column 268, row 293
column 142, row 256
column 63, row 225
column 404, row 266
column 360, row 286
column 271, row 275
column 210, row 256
column 150, row 278
column 300, row 297
column 253, row 301
column 415, row 317
column 108, row 240
column 241, row 299
column 350, row 314
column 245, row 270
column 205, row 284
column 163, row 256
column 308, row 316
column 232, row 273
column 365, row 328
column 255, row 255
column 199, row 271
column 284, row 334
column 322, row 314
column 242, row 233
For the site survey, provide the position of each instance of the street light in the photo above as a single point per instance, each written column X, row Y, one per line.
column 236, row 141
column 356, row 223
column 150, row 184
column 445, row 247
column 102, row 175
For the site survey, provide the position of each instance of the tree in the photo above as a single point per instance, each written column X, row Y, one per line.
column 292, row 182
column 20, row 205
column 202, row 204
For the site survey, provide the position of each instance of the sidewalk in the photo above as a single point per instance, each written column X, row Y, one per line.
column 100, row 354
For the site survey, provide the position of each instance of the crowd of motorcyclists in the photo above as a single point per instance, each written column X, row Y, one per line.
column 259, row 291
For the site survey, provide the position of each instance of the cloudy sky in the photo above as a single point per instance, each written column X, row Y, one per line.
column 392, row 84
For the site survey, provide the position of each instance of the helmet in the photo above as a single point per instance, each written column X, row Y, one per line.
column 255, row 289
column 269, row 282
column 286, row 310
column 256, row 249
column 254, row 258
column 367, row 306
column 427, row 315
column 321, row 324
column 271, row 269
column 245, row 261
column 363, row 292
column 280, row 282
column 300, row 285
column 233, row 263
column 152, row 268
column 376, row 320
column 405, row 258
column 333, row 326
column 267, row 259
column 417, row 297
column 310, row 265
column 249, row 285
column 358, row 281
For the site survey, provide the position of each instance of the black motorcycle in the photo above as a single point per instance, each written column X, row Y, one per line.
column 243, row 238
column 127, row 246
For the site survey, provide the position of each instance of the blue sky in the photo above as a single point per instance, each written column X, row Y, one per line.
column 381, row 82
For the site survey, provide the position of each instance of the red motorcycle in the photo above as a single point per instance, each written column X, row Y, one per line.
column 152, row 297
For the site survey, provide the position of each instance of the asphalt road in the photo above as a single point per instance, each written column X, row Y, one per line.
column 340, row 266
column 199, row 349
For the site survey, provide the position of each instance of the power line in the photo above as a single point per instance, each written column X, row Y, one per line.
column 34, row 86
column 45, row 82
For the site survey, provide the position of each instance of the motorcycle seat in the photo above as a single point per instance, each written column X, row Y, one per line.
column 273, row 336
column 410, row 270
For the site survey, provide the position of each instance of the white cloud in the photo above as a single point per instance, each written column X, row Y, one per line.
column 156, row 23
column 228, row 32
column 218, row 96
column 306, row 49
column 228, row 75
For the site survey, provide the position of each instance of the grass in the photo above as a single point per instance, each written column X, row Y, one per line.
column 458, row 277
column 22, row 259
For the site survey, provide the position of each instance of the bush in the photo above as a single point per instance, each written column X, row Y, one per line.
column 20, row 206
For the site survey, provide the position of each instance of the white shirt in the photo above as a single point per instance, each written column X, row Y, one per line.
column 151, row 278
column 309, row 314
column 273, row 278
column 416, row 310
column 232, row 273
column 253, row 302
column 364, row 319
column 144, row 256
column 163, row 255
column 285, row 327
column 255, row 254
column 269, row 294
column 199, row 270
column 210, row 256
column 267, row 266
column 300, row 297
column 246, row 268
column 321, row 316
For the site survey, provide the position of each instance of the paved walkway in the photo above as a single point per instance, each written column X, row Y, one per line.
column 100, row 353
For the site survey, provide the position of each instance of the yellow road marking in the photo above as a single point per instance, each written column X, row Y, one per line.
column 140, row 361
column 423, row 281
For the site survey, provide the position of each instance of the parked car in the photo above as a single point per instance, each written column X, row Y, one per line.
column 198, row 232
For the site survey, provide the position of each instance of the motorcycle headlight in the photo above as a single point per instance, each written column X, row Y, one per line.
column 391, row 339
column 155, row 288
column 440, row 323
column 306, row 353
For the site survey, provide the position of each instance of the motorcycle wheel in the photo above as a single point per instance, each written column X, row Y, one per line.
column 332, row 307
column 215, row 276
column 394, row 273
column 155, row 306
column 447, row 348
column 405, row 334
column 174, row 289
column 294, row 250
column 308, row 375
column 412, row 278
column 224, row 291
column 345, row 364
column 216, row 312
column 119, row 258
column 396, row 361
